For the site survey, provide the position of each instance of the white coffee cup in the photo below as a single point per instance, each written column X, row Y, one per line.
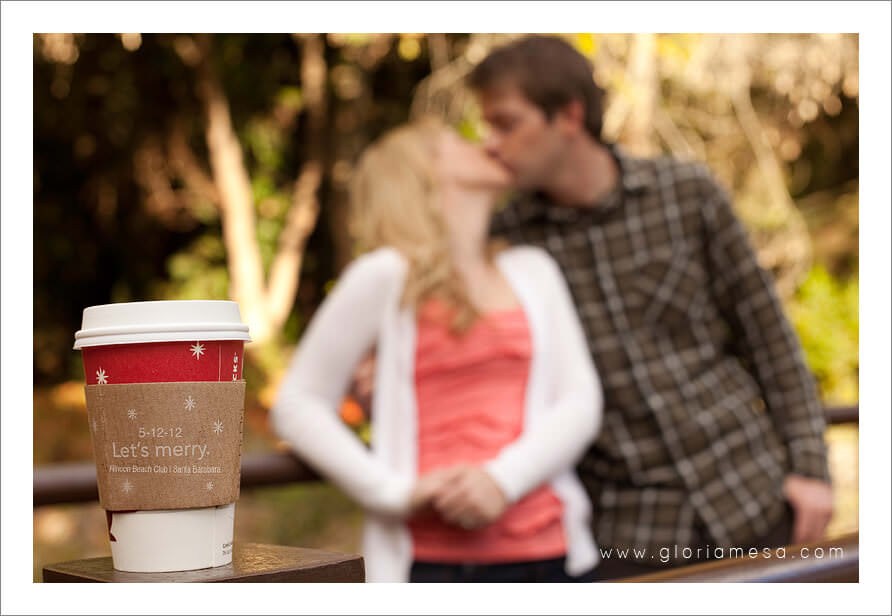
column 113, row 339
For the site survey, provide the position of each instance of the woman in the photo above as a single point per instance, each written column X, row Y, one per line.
column 485, row 394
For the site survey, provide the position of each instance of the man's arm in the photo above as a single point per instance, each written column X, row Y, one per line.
column 769, row 346
column 746, row 295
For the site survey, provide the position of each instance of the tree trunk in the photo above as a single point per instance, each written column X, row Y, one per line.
column 236, row 201
column 265, row 308
column 644, row 85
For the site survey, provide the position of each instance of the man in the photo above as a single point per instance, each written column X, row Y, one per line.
column 713, row 432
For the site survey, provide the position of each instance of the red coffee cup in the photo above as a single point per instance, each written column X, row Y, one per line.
column 164, row 342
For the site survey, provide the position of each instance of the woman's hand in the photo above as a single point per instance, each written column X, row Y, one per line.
column 428, row 486
column 468, row 497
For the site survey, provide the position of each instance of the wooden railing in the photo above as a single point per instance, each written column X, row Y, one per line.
column 76, row 483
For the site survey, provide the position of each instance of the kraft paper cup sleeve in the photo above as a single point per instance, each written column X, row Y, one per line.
column 167, row 445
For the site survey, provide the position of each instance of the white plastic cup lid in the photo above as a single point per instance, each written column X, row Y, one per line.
column 160, row 321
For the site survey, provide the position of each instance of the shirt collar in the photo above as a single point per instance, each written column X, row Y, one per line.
column 634, row 176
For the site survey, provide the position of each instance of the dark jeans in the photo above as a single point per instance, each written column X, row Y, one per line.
column 551, row 570
column 614, row 568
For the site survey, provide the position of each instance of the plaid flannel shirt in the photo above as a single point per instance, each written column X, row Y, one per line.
column 708, row 400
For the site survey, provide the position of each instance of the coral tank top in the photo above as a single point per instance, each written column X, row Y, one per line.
column 470, row 398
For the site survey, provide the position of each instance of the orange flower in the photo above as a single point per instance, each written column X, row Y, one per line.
column 351, row 412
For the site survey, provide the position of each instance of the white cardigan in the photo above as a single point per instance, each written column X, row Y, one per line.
column 562, row 414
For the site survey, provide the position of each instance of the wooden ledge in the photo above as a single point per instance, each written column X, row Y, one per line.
column 251, row 562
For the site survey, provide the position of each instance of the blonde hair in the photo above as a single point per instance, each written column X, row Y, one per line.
column 395, row 201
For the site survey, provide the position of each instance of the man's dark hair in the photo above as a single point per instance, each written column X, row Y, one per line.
column 548, row 71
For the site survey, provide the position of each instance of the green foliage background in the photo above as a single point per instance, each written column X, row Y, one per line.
column 825, row 315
